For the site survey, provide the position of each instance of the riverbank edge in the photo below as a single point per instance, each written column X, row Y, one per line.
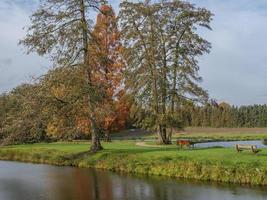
column 124, row 163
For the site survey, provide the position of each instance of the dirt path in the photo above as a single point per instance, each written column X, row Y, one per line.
column 143, row 144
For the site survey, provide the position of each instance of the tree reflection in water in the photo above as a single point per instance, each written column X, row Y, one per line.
column 34, row 182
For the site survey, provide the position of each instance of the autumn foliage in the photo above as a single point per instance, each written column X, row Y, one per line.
column 153, row 53
column 107, row 64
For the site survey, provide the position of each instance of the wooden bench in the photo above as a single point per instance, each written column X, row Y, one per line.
column 242, row 147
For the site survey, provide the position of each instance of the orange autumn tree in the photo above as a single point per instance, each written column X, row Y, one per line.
column 107, row 65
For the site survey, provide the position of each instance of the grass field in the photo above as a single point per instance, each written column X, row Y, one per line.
column 216, row 164
column 223, row 133
column 199, row 134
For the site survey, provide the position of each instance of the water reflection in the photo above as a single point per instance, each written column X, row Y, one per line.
column 33, row 182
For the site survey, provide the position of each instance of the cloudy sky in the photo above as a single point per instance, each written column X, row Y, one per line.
column 235, row 71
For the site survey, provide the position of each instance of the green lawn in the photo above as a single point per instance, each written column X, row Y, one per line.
column 218, row 164
column 218, row 155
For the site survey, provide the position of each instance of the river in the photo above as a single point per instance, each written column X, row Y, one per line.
column 20, row 181
column 258, row 143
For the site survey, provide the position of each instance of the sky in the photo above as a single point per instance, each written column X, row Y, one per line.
column 235, row 71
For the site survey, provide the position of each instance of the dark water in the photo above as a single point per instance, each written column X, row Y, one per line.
column 258, row 143
column 33, row 182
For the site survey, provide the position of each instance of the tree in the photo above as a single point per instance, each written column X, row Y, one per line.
column 162, row 47
column 61, row 89
column 108, row 67
column 24, row 120
column 62, row 29
column 4, row 107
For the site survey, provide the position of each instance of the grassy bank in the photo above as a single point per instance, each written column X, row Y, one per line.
column 211, row 164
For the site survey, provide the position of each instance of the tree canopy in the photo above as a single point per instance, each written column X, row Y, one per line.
column 138, row 69
column 161, row 50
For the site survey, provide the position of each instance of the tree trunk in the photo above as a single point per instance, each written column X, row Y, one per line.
column 162, row 135
column 107, row 136
column 173, row 94
column 174, row 80
column 160, row 141
column 95, row 144
column 166, row 139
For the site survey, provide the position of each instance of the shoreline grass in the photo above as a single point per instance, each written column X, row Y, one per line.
column 209, row 164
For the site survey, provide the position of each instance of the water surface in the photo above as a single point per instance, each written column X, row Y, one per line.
column 20, row 181
column 258, row 143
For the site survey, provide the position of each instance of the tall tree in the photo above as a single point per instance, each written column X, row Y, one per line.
column 62, row 29
column 162, row 47
column 107, row 65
